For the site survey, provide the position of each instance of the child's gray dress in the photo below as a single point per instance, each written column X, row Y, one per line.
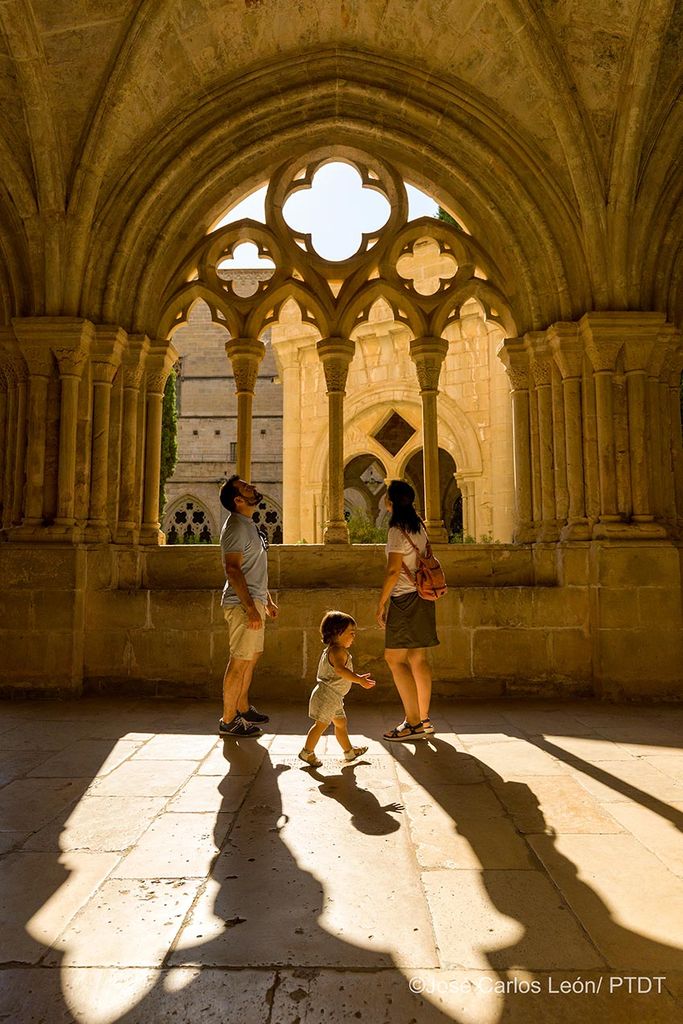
column 327, row 699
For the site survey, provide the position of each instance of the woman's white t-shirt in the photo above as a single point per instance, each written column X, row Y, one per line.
column 396, row 541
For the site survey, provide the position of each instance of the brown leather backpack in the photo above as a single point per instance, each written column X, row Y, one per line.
column 430, row 579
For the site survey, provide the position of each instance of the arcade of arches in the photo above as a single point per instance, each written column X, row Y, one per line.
column 521, row 365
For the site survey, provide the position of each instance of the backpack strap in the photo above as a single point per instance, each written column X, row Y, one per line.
column 427, row 552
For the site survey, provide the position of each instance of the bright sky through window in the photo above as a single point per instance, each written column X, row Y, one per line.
column 336, row 214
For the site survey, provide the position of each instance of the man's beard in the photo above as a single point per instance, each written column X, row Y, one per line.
column 255, row 499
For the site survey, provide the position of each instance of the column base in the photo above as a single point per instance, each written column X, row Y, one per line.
column 438, row 533
column 151, row 534
column 97, row 533
column 549, row 532
column 127, row 533
column 526, row 533
column 629, row 531
column 62, row 530
column 577, row 529
column 336, row 533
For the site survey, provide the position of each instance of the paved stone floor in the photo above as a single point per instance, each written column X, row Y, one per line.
column 525, row 864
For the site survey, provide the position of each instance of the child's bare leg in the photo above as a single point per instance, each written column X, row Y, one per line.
column 314, row 734
column 341, row 732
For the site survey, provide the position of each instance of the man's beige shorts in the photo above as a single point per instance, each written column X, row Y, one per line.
column 245, row 643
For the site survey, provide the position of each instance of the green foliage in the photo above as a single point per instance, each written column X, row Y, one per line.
column 363, row 531
column 169, row 437
column 444, row 215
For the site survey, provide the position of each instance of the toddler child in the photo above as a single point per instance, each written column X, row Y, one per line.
column 335, row 678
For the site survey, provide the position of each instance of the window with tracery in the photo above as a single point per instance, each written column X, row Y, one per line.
column 189, row 522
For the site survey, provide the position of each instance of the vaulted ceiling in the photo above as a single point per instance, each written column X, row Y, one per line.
column 554, row 127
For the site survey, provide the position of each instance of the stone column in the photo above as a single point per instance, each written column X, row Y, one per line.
column 159, row 363
column 644, row 427
column 335, row 355
column 516, row 362
column 8, row 455
column 106, row 357
column 245, row 354
column 568, row 353
column 34, row 336
column 676, row 440
column 133, row 365
column 428, row 355
column 287, row 357
column 71, row 360
column 541, row 369
column 603, row 338
column 20, row 445
column 3, row 430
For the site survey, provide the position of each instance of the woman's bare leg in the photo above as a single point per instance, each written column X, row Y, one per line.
column 397, row 660
column 422, row 674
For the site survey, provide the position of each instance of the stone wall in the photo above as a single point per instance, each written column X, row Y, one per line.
column 599, row 618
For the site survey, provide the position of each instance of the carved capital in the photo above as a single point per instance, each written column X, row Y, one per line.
column 515, row 359
column 132, row 377
column 155, row 381
column 605, row 335
column 336, row 355
column 428, row 355
column 106, row 352
column 245, row 355
column 71, row 361
column 567, row 349
column 103, row 372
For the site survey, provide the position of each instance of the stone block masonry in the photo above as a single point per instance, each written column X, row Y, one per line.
column 515, row 621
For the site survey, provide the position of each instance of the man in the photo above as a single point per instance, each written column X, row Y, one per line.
column 246, row 602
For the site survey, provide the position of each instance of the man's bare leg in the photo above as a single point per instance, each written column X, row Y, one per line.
column 243, row 696
column 233, row 685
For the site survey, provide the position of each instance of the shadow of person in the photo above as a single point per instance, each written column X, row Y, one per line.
column 366, row 812
column 263, row 918
column 524, row 888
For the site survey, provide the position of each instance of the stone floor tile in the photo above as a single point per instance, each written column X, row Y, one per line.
column 11, row 841
column 327, row 901
column 626, row 899
column 86, row 759
column 542, row 803
column 436, row 761
column 473, row 738
column 107, row 995
column 669, row 764
column 462, row 997
column 610, row 781
column 144, row 778
column 28, row 804
column 504, row 919
column 660, row 836
column 235, row 757
column 15, row 764
column 39, row 895
column 104, row 823
column 128, row 923
column 211, row 793
column 586, row 748
column 176, row 846
column 516, row 757
column 177, row 746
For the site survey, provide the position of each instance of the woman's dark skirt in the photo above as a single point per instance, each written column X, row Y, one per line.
column 411, row 622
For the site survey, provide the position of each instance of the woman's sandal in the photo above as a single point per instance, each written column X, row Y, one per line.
column 426, row 724
column 412, row 732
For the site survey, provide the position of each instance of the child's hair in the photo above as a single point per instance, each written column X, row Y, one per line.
column 333, row 625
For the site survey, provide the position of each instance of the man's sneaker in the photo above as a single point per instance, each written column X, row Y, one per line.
column 238, row 729
column 252, row 715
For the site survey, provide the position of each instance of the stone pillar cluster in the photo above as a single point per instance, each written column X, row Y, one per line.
column 428, row 355
column 80, row 431
column 245, row 354
column 597, row 428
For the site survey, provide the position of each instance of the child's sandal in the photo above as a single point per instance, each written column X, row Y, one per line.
column 411, row 732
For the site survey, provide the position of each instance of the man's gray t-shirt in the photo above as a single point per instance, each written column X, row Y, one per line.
column 241, row 534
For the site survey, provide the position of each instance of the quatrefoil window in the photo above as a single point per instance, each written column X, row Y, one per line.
column 336, row 210
column 426, row 266
column 245, row 256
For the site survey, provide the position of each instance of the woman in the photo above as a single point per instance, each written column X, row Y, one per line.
column 409, row 620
